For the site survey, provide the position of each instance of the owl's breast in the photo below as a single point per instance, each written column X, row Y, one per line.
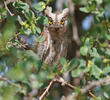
column 52, row 52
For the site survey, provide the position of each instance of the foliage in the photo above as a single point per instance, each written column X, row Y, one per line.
column 23, row 71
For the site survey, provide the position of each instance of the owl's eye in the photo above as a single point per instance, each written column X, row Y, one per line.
column 50, row 22
column 62, row 22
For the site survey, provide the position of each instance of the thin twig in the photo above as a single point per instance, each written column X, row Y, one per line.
column 106, row 23
column 106, row 20
column 64, row 83
column 56, row 80
column 10, row 82
column 8, row 9
column 7, row 2
column 90, row 93
column 17, row 45
column 47, row 90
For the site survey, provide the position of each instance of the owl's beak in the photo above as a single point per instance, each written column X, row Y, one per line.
column 57, row 28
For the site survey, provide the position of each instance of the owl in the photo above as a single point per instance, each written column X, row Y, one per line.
column 55, row 45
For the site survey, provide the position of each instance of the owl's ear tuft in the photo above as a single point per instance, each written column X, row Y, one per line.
column 48, row 11
column 65, row 12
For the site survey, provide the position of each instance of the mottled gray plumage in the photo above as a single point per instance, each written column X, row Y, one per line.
column 55, row 44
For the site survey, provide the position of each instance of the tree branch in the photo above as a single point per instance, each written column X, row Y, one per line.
column 7, row 2
column 22, row 46
column 47, row 90
column 10, row 82
column 7, row 8
column 56, row 80
column 102, row 82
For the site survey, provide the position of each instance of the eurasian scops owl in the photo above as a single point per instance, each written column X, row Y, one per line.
column 55, row 44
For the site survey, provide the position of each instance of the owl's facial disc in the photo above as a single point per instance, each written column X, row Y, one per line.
column 57, row 25
column 57, row 22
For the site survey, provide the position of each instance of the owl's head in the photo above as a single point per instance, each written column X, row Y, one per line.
column 57, row 21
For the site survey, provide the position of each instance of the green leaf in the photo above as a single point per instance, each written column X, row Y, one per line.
column 29, row 15
column 63, row 61
column 9, row 93
column 87, row 42
column 74, row 62
column 21, row 6
column 38, row 29
column 82, row 62
column 98, row 13
column 107, row 52
column 95, row 71
column 93, row 52
column 8, row 30
column 103, row 45
column 84, row 50
column 76, row 72
column 85, row 69
column 40, row 6
column 106, row 69
column 42, row 75
column 84, row 9
column 16, row 74
column 19, row 19
column 91, row 41
column 106, row 95
column 27, row 31
column 97, row 61
column 25, row 6
column 33, row 28
column 42, row 20
column 92, row 6
column 40, row 39
column 101, row 51
column 107, row 36
column 99, row 1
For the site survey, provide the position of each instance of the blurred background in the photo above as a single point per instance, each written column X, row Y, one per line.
column 24, row 77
